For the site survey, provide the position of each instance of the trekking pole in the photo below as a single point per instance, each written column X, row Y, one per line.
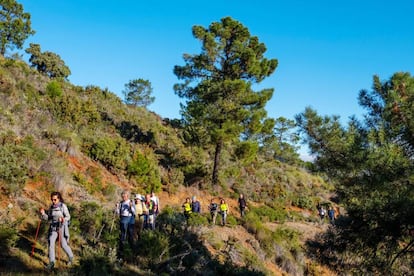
column 37, row 233
column 59, row 241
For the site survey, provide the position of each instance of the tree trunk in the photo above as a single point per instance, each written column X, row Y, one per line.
column 217, row 155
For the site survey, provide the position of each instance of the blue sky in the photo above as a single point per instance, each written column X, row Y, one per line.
column 327, row 50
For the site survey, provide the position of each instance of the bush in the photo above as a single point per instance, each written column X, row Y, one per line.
column 96, row 262
column 144, row 169
column 54, row 89
column 197, row 219
column 8, row 238
column 112, row 152
column 170, row 220
column 268, row 214
column 91, row 220
column 231, row 220
column 304, row 202
column 153, row 245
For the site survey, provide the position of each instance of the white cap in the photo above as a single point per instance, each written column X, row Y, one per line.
column 138, row 196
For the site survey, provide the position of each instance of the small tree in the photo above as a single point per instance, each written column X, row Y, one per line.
column 47, row 63
column 15, row 25
column 138, row 93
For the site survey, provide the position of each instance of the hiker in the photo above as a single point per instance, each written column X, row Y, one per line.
column 195, row 205
column 149, row 222
column 156, row 201
column 322, row 212
column 223, row 211
column 242, row 205
column 187, row 208
column 140, row 210
column 331, row 215
column 213, row 208
column 58, row 215
column 126, row 211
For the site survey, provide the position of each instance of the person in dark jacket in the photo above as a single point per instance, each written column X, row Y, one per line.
column 242, row 205
column 195, row 205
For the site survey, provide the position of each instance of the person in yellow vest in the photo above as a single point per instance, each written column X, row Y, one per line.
column 223, row 211
column 187, row 208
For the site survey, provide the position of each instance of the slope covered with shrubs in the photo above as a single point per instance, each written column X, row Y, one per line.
column 88, row 144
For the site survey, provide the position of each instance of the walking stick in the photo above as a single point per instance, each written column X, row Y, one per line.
column 37, row 233
column 59, row 241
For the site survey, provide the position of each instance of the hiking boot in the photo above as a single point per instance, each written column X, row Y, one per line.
column 50, row 266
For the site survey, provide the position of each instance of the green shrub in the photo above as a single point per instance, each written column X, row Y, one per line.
column 268, row 214
column 302, row 201
column 144, row 169
column 8, row 238
column 288, row 237
column 95, row 261
column 197, row 219
column 112, row 152
column 91, row 220
column 231, row 220
column 54, row 89
column 153, row 245
column 252, row 222
column 170, row 220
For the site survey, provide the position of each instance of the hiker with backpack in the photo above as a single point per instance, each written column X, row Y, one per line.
column 242, row 205
column 59, row 217
column 187, row 208
column 156, row 201
column 223, row 211
column 331, row 215
column 126, row 211
column 140, row 210
column 321, row 212
column 149, row 222
column 195, row 205
column 213, row 208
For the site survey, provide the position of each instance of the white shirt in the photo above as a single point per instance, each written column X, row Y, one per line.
column 125, row 210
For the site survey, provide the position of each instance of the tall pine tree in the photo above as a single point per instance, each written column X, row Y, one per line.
column 217, row 84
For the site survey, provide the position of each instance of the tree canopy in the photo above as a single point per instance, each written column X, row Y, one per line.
column 47, row 62
column 217, row 84
column 15, row 25
column 138, row 92
column 372, row 164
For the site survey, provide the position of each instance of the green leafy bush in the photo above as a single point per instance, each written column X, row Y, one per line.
column 144, row 169
column 170, row 220
column 303, row 201
column 153, row 245
column 91, row 220
column 268, row 214
column 54, row 89
column 17, row 159
column 8, row 238
column 197, row 219
column 112, row 152
column 96, row 261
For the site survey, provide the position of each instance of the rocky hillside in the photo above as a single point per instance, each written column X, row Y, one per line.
column 86, row 143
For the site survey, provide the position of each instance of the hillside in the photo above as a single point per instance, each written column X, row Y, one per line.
column 87, row 144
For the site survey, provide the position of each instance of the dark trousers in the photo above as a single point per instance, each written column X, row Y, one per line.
column 127, row 232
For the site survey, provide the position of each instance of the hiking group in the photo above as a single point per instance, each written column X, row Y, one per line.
column 142, row 211
column 193, row 206
column 135, row 215
column 322, row 212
